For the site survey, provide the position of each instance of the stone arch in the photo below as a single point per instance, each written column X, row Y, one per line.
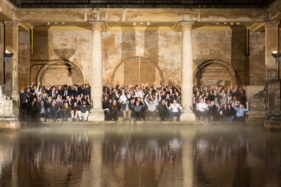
column 71, row 67
column 142, row 58
column 222, row 63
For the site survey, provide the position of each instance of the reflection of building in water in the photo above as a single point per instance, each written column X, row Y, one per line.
column 6, row 156
column 53, row 159
column 139, row 160
column 217, row 156
column 7, row 149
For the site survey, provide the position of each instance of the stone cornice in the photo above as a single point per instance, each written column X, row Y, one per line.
column 97, row 25
column 274, row 10
column 11, row 23
column 7, row 9
column 138, row 15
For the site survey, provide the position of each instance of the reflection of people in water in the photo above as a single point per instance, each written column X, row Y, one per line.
column 139, row 151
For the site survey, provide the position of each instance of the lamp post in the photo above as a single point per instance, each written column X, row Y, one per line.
column 276, row 55
column 7, row 56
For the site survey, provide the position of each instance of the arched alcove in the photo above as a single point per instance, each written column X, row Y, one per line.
column 214, row 73
column 137, row 70
column 59, row 73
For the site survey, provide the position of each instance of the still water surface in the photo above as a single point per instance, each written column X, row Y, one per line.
column 141, row 156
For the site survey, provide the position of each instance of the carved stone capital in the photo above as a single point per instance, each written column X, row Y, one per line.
column 97, row 25
column 186, row 25
column 272, row 24
column 11, row 24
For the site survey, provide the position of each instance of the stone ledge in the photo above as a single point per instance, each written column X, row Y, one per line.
column 9, row 124
column 135, row 123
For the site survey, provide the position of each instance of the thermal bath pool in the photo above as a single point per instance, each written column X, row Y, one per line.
column 147, row 156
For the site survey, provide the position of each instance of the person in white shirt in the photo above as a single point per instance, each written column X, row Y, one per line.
column 152, row 105
column 202, row 108
column 175, row 110
column 138, row 93
column 123, row 97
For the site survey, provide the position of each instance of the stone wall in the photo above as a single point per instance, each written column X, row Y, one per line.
column 257, row 58
column 61, row 47
column 239, row 54
column 24, row 59
column 256, row 99
column 161, row 49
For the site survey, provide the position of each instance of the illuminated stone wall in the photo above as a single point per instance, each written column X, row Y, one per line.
column 24, row 59
column 161, row 49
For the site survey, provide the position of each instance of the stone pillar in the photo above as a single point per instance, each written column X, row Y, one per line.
column 272, row 81
column 96, row 113
column 271, row 44
column 187, row 72
column 1, row 53
column 11, row 86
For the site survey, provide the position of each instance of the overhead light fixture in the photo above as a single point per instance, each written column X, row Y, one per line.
column 148, row 23
column 134, row 24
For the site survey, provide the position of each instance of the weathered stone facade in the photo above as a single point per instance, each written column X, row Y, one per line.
column 131, row 45
column 160, row 48
column 24, row 58
column 257, row 55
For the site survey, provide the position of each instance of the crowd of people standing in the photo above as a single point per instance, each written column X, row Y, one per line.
column 140, row 102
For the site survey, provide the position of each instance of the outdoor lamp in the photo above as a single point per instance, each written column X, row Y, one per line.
column 6, row 57
column 8, row 54
column 276, row 55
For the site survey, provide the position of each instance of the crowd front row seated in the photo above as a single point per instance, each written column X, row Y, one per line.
column 140, row 102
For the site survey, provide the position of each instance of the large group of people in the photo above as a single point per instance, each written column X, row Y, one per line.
column 146, row 102
column 220, row 103
column 55, row 102
column 140, row 102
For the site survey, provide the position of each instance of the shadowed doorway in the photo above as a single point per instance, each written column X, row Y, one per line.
column 215, row 73
column 60, row 73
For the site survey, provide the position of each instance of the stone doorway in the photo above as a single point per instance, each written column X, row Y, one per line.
column 137, row 70
column 214, row 73
column 60, row 73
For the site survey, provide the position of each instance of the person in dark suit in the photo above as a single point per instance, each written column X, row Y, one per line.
column 163, row 110
column 53, row 110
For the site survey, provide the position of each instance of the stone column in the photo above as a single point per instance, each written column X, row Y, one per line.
column 96, row 113
column 272, row 82
column 187, row 72
column 271, row 44
column 11, row 32
column 1, row 53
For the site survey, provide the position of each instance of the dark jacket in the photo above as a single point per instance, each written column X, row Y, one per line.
column 162, row 108
column 84, row 108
